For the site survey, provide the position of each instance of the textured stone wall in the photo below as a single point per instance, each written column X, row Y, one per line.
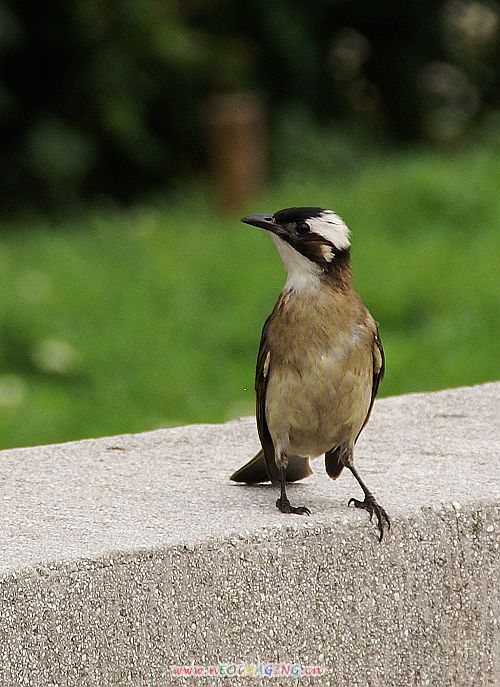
column 124, row 556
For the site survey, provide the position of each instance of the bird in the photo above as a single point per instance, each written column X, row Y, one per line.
column 320, row 360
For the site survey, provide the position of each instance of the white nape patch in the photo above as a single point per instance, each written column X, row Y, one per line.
column 302, row 273
column 332, row 228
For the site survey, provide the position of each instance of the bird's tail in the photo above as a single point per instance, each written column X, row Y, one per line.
column 334, row 462
column 255, row 470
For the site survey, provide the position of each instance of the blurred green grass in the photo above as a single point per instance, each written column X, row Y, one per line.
column 121, row 321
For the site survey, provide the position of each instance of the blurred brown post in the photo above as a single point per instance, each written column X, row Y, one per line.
column 237, row 147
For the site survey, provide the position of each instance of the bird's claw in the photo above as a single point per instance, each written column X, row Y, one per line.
column 285, row 507
column 372, row 507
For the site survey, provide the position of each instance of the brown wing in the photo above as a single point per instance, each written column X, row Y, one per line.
column 263, row 465
column 378, row 373
column 261, row 380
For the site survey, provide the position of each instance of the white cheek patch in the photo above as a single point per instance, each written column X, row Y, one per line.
column 332, row 228
column 327, row 253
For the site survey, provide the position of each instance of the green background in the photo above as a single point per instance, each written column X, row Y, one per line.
column 132, row 298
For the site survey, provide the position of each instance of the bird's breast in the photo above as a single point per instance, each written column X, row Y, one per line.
column 320, row 376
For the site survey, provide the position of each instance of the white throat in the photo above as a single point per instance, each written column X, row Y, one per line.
column 301, row 273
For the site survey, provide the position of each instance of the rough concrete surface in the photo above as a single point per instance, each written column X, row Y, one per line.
column 123, row 556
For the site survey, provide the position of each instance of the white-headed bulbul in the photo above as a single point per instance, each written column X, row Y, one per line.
column 320, row 360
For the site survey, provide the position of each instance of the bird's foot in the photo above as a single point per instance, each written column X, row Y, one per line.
column 285, row 507
column 370, row 505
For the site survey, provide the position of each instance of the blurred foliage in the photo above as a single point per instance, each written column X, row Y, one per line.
column 122, row 321
column 110, row 98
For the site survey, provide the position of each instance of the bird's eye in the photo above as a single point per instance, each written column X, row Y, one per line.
column 303, row 228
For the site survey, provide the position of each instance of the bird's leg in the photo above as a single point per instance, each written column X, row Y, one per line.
column 283, row 503
column 369, row 504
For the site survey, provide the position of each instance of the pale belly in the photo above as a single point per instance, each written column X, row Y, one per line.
column 326, row 404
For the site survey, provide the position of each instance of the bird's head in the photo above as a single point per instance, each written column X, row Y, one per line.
column 312, row 242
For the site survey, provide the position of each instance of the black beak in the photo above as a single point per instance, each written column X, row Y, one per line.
column 263, row 221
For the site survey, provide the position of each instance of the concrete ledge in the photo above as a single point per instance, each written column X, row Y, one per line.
column 124, row 556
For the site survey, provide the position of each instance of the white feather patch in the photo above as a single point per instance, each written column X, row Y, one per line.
column 266, row 364
column 302, row 273
column 327, row 252
column 331, row 227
